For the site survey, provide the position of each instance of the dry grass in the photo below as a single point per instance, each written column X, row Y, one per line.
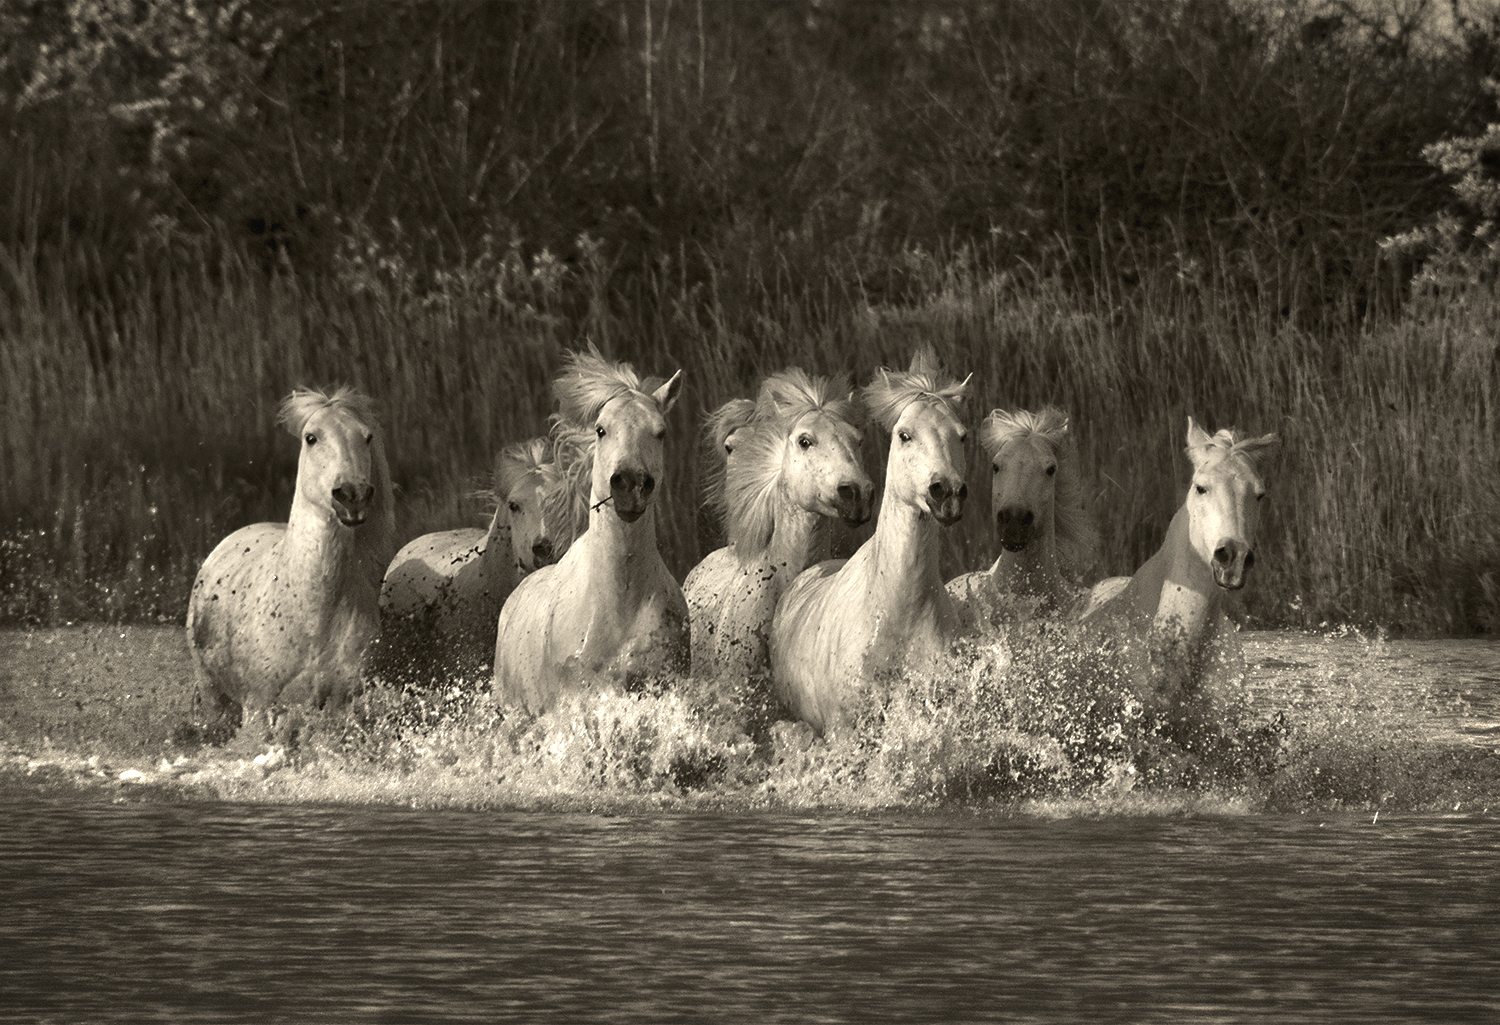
column 138, row 423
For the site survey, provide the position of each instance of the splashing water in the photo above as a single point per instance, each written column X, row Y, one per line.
column 1035, row 719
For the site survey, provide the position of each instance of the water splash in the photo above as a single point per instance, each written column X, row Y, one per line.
column 1033, row 720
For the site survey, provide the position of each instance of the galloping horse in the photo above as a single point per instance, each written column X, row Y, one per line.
column 281, row 613
column 1176, row 598
column 791, row 465
column 1036, row 493
column 844, row 625
column 609, row 611
column 443, row 591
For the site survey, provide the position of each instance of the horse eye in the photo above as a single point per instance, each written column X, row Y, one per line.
column 805, row 441
column 661, row 434
column 515, row 507
column 1051, row 470
column 905, row 436
column 310, row 438
column 599, row 430
column 994, row 468
column 1200, row 489
column 1260, row 497
column 369, row 439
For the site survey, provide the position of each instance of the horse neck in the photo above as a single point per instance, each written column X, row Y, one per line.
column 1176, row 583
column 905, row 554
column 799, row 538
column 619, row 555
column 324, row 558
column 1032, row 572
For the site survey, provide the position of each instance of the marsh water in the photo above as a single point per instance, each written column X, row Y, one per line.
column 1356, row 881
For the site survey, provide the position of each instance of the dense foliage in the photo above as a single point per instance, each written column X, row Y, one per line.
column 1137, row 209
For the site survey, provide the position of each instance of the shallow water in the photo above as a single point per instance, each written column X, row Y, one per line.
column 1354, row 881
column 234, row 913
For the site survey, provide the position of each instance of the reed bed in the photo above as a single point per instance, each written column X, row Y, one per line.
column 138, row 421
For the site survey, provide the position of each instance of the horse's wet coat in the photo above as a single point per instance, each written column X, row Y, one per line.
column 609, row 613
column 1046, row 538
column 792, row 464
column 282, row 613
column 443, row 591
column 846, row 627
column 1176, row 599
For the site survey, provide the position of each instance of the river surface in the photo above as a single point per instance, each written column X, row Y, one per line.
column 1355, row 879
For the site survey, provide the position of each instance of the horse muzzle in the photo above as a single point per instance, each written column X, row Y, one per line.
column 1232, row 560
column 542, row 553
column 946, row 503
column 1016, row 524
column 630, row 493
column 351, row 503
column 854, row 503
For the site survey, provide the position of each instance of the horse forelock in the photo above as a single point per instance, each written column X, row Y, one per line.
column 1002, row 426
column 517, row 461
column 298, row 407
column 590, row 382
column 789, row 395
column 1226, row 444
column 891, row 391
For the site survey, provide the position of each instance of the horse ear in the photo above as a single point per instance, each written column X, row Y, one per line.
column 1197, row 437
column 666, row 395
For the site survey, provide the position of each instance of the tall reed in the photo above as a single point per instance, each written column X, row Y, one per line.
column 138, row 422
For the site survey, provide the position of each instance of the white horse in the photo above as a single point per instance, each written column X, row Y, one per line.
column 609, row 612
column 1046, row 536
column 281, row 613
column 443, row 591
column 1175, row 600
column 792, row 465
column 846, row 625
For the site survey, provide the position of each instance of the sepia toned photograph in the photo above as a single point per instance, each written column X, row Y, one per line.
column 838, row 511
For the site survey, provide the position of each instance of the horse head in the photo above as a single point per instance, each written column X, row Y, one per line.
column 630, row 449
column 341, row 459
column 925, row 468
column 1223, row 501
column 821, row 467
column 525, row 478
column 1026, row 452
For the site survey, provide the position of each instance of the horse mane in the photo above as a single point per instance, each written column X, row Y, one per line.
column 302, row 403
column 589, row 382
column 893, row 390
column 1077, row 536
column 744, row 491
column 573, row 459
column 730, row 418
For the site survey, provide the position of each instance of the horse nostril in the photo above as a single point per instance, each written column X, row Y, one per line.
column 542, row 549
column 1027, row 518
column 939, row 490
column 1249, row 558
column 846, row 493
column 649, row 485
column 963, row 490
column 1221, row 555
column 616, row 480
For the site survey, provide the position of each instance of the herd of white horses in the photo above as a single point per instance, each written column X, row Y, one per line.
column 566, row 592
